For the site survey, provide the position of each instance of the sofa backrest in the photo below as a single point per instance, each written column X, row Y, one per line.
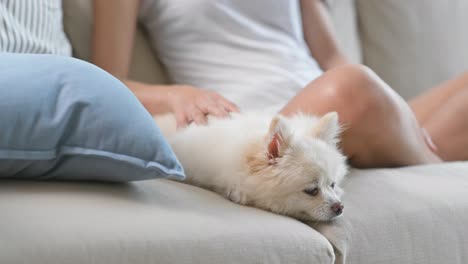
column 414, row 44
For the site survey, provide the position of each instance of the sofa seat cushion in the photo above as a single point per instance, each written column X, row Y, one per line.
column 407, row 215
column 156, row 221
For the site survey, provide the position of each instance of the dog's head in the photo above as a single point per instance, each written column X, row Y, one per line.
column 295, row 171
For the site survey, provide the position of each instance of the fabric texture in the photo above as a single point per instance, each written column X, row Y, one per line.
column 414, row 215
column 156, row 221
column 33, row 26
column 251, row 52
column 62, row 118
column 414, row 45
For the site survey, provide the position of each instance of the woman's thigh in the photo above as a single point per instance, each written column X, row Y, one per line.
column 380, row 128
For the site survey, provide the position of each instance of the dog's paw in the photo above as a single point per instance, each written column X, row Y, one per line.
column 235, row 196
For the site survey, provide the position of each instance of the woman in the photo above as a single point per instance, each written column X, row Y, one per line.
column 266, row 53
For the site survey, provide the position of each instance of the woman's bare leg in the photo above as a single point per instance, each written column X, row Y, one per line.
column 443, row 112
column 381, row 130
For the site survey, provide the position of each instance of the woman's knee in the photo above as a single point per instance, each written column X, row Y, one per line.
column 355, row 91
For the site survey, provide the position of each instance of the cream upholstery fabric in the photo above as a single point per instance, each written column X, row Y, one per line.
column 414, row 45
column 147, row 222
column 414, row 215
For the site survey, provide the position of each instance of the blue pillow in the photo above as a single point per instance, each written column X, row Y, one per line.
column 62, row 118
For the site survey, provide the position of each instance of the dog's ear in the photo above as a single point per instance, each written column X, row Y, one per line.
column 278, row 137
column 327, row 128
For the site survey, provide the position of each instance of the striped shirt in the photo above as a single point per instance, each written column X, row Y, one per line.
column 33, row 26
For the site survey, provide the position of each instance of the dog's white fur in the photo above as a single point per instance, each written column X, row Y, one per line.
column 267, row 161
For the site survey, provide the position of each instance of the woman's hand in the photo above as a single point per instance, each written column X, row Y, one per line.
column 190, row 104
column 114, row 30
column 187, row 103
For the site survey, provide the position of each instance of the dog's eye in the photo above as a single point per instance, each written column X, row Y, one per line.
column 332, row 185
column 312, row 191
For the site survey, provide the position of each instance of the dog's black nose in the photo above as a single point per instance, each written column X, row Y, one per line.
column 337, row 208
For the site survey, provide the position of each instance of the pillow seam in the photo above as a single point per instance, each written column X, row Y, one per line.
column 66, row 150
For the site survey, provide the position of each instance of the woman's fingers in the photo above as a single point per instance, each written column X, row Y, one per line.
column 231, row 107
column 211, row 107
column 228, row 105
column 181, row 119
column 185, row 117
column 428, row 140
column 198, row 117
column 196, row 109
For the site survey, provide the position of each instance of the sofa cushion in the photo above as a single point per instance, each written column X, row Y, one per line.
column 157, row 221
column 414, row 215
column 63, row 118
column 414, row 45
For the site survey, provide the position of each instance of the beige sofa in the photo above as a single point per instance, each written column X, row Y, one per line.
column 406, row 215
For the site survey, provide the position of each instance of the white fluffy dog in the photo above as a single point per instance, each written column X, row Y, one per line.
column 287, row 165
